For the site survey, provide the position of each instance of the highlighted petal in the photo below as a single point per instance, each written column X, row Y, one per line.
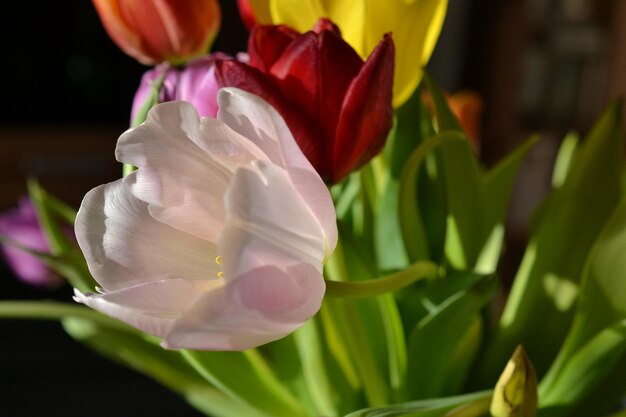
column 125, row 246
column 183, row 165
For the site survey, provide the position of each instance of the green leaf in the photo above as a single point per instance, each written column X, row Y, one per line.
column 66, row 259
column 245, row 377
column 466, row 229
column 584, row 370
column 409, row 213
column 436, row 340
column 602, row 303
column 564, row 158
column 446, row 120
column 541, row 304
column 498, row 184
column 425, row 408
column 411, row 125
column 331, row 392
column 165, row 366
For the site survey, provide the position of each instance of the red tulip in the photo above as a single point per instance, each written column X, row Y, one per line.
column 154, row 31
column 337, row 106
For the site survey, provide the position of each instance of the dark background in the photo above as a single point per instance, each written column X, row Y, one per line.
column 542, row 66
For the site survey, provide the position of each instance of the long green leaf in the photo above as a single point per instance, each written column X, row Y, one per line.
column 602, row 297
column 424, row 408
column 437, row 338
column 498, row 184
column 245, row 377
column 540, row 306
column 466, row 229
column 584, row 370
column 167, row 367
column 413, row 229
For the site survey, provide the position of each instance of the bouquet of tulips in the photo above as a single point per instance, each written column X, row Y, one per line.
column 305, row 229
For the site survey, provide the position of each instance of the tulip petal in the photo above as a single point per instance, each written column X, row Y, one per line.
column 263, row 305
column 367, row 115
column 260, row 230
column 123, row 35
column 183, row 164
column 152, row 307
column 267, row 43
column 415, row 26
column 231, row 73
column 307, row 73
column 125, row 246
column 253, row 118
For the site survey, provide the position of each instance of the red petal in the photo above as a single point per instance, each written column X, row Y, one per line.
column 326, row 24
column 231, row 73
column 314, row 72
column 266, row 43
column 367, row 115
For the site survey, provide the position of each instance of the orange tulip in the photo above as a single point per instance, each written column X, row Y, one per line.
column 154, row 31
column 467, row 106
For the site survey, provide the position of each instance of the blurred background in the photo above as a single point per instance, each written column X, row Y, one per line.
column 544, row 66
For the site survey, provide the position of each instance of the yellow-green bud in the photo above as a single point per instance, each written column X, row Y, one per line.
column 515, row 394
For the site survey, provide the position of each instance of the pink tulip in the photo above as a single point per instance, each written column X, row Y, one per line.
column 21, row 226
column 195, row 83
column 218, row 240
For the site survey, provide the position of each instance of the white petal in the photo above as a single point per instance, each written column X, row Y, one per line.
column 262, row 305
column 151, row 307
column 124, row 245
column 255, row 119
column 184, row 166
column 268, row 223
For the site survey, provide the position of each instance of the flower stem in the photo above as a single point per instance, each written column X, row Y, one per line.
column 368, row 288
column 51, row 310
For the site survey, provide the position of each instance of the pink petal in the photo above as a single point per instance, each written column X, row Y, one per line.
column 261, row 306
column 125, row 246
column 185, row 166
column 152, row 307
column 253, row 118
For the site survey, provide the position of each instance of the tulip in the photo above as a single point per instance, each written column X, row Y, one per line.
column 21, row 226
column 467, row 106
column 195, row 83
column 155, row 31
column 217, row 241
column 415, row 25
column 337, row 106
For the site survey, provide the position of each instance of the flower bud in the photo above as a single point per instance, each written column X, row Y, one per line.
column 155, row 31
column 515, row 394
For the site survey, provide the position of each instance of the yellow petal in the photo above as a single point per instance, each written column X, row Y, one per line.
column 299, row 14
column 415, row 28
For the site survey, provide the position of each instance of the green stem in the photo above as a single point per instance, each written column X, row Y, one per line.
column 52, row 310
column 373, row 287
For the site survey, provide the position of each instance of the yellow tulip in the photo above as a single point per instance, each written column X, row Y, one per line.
column 415, row 26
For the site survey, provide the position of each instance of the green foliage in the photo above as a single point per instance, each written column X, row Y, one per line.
column 541, row 304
